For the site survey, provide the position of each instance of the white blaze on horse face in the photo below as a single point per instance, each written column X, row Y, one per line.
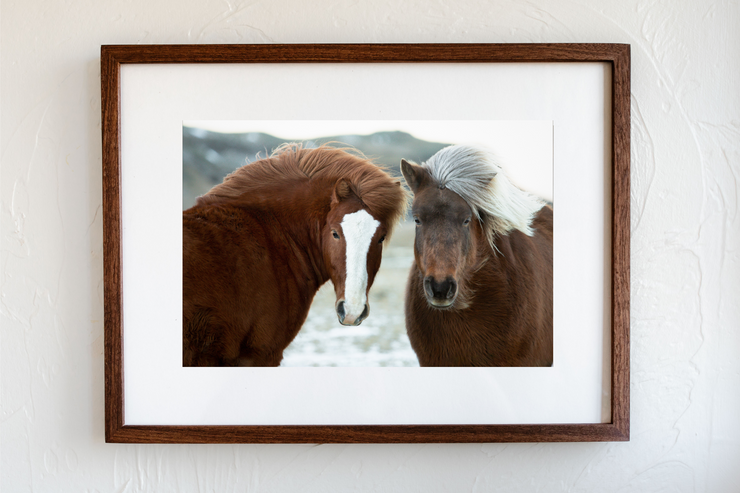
column 359, row 228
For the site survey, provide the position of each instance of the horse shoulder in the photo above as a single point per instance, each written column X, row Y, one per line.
column 510, row 315
column 222, row 248
column 533, row 291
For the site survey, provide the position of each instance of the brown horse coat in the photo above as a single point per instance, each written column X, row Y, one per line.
column 505, row 323
column 257, row 247
column 477, row 297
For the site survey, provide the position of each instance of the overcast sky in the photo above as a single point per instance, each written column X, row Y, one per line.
column 524, row 148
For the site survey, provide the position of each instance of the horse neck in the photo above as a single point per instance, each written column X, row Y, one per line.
column 491, row 262
column 301, row 219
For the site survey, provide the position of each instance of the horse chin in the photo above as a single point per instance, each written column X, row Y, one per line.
column 354, row 322
column 445, row 304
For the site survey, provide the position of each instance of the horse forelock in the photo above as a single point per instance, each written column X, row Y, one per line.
column 381, row 194
column 475, row 175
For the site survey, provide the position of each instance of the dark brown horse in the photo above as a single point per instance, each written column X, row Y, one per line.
column 480, row 289
column 257, row 247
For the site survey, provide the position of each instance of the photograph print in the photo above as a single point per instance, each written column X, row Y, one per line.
column 368, row 243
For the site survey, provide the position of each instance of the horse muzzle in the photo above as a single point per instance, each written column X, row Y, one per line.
column 346, row 318
column 440, row 294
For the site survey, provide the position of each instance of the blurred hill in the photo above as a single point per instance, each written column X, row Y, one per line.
column 209, row 156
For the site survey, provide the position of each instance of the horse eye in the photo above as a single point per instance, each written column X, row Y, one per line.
column 382, row 239
column 466, row 222
column 417, row 220
column 335, row 234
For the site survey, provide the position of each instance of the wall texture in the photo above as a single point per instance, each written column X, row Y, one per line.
column 685, row 249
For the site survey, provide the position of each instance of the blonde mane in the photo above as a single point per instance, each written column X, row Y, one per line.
column 474, row 175
column 291, row 163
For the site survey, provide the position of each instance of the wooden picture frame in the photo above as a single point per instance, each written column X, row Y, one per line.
column 617, row 55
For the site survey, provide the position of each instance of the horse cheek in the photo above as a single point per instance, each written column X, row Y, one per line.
column 373, row 266
column 419, row 250
column 340, row 269
column 468, row 250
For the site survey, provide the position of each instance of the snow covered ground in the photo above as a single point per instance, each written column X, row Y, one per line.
column 381, row 340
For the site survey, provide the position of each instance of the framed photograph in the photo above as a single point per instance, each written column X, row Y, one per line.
column 366, row 243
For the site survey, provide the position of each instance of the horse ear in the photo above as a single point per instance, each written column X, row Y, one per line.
column 342, row 190
column 412, row 173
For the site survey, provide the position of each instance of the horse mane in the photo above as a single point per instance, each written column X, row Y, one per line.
column 383, row 195
column 474, row 174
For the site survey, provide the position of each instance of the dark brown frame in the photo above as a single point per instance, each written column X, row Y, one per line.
column 617, row 54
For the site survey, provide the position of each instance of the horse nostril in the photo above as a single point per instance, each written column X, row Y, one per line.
column 340, row 311
column 428, row 286
column 453, row 289
column 364, row 315
column 440, row 289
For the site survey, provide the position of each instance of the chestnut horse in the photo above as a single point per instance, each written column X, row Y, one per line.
column 480, row 289
column 258, row 246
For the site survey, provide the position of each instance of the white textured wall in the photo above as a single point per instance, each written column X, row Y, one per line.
column 685, row 249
